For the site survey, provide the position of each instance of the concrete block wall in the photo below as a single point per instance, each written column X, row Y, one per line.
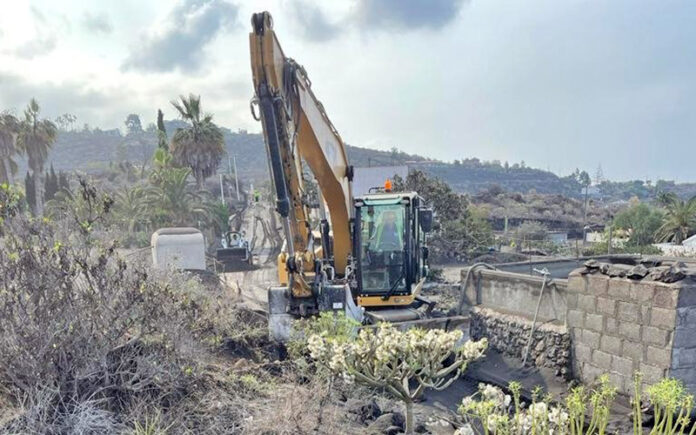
column 684, row 339
column 516, row 293
column 619, row 326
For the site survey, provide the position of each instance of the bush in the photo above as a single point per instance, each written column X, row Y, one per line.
column 88, row 339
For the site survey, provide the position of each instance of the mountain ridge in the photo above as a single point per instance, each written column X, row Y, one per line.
column 95, row 150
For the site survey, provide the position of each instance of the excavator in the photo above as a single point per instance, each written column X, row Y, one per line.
column 365, row 256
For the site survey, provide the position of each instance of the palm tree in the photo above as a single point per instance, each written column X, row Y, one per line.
column 679, row 220
column 173, row 202
column 200, row 146
column 9, row 127
column 35, row 138
column 130, row 207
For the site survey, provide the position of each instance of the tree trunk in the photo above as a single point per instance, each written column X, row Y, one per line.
column 38, row 191
column 5, row 172
column 409, row 418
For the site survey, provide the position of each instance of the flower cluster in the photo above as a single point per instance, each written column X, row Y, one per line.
column 390, row 355
column 474, row 349
column 492, row 408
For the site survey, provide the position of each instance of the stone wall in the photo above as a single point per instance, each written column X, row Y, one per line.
column 620, row 325
column 509, row 334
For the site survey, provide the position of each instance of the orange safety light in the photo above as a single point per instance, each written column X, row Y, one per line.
column 388, row 185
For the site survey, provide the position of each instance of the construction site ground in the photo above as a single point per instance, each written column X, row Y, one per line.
column 251, row 289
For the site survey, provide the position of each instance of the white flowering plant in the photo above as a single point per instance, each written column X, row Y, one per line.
column 496, row 412
column 385, row 357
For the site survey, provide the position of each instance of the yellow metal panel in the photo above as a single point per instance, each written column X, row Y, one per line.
column 377, row 301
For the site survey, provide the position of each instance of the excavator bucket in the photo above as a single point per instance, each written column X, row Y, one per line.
column 235, row 255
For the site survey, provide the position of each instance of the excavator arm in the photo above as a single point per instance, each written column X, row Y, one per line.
column 296, row 129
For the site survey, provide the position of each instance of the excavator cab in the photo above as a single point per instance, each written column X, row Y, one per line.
column 389, row 250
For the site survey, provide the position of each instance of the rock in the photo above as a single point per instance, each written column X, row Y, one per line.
column 637, row 272
column 438, row 426
column 363, row 410
column 592, row 264
column 618, row 270
column 540, row 346
column 389, row 423
column 675, row 273
column 651, row 262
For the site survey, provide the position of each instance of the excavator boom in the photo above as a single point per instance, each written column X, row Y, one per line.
column 296, row 128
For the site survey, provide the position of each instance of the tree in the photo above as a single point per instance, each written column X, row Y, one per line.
column 199, row 146
column 172, row 200
column 30, row 192
column 679, row 220
column 9, row 128
column 464, row 228
column 66, row 121
column 162, row 141
column 133, row 124
column 35, row 139
column 641, row 221
column 130, row 209
column 404, row 363
column 63, row 182
column 531, row 231
column 448, row 204
column 51, row 186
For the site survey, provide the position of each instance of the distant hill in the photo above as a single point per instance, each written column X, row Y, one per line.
column 95, row 150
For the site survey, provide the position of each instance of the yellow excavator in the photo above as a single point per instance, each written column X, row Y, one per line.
column 367, row 255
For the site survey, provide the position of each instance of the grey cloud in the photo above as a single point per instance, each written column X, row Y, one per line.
column 313, row 21
column 191, row 25
column 376, row 15
column 45, row 41
column 97, row 23
column 15, row 93
column 37, row 14
column 36, row 47
column 407, row 14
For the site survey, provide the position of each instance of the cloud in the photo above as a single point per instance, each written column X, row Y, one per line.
column 43, row 43
column 313, row 22
column 97, row 23
column 407, row 14
column 36, row 47
column 179, row 44
column 15, row 92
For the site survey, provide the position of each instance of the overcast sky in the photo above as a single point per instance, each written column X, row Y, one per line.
column 557, row 84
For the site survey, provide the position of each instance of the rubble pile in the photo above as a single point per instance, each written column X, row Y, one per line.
column 648, row 269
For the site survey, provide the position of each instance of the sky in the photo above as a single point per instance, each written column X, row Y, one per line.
column 557, row 84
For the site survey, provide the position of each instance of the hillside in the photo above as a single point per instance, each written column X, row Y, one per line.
column 95, row 150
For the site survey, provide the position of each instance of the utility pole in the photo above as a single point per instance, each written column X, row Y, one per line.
column 236, row 179
column 222, row 191
column 611, row 228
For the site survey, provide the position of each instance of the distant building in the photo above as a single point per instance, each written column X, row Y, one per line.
column 686, row 249
column 375, row 176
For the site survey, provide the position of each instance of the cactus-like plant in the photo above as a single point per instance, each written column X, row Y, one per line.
column 405, row 363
